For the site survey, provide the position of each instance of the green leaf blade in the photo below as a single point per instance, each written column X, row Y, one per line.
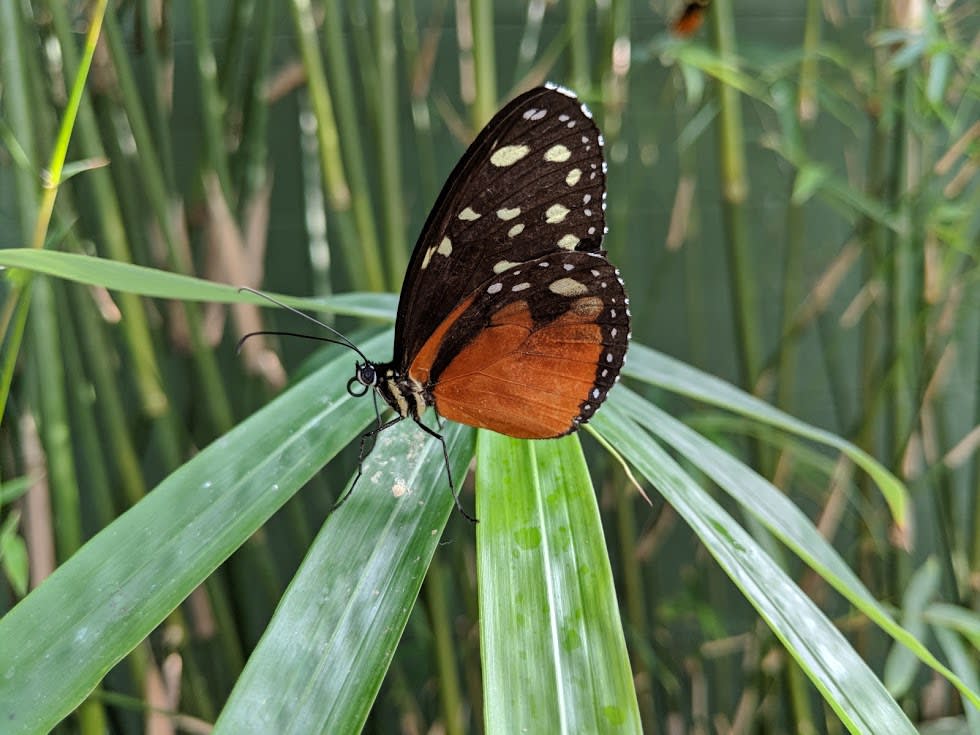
column 553, row 649
column 110, row 595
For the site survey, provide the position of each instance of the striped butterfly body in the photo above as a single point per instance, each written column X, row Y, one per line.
column 511, row 318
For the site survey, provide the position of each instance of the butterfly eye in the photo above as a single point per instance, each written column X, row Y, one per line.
column 366, row 374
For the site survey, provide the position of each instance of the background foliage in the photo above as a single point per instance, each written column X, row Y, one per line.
column 793, row 201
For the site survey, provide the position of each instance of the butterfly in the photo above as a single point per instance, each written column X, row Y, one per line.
column 511, row 318
column 690, row 18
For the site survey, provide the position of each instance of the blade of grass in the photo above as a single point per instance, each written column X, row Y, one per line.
column 554, row 654
column 138, row 279
column 97, row 606
column 673, row 375
column 844, row 680
column 332, row 638
column 784, row 519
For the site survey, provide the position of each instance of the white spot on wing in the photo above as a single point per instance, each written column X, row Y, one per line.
column 557, row 154
column 567, row 287
column 568, row 242
column 508, row 214
column 427, row 258
column 573, row 176
column 445, row 247
column 501, row 265
column 494, row 287
column 468, row 215
column 521, row 286
column 556, row 213
column 515, row 230
column 509, row 155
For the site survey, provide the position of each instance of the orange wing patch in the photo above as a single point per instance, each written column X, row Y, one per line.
column 525, row 381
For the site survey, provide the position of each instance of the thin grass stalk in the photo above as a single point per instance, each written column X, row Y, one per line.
column 51, row 179
column 351, row 203
column 973, row 484
column 389, row 150
column 236, row 52
column 50, row 403
column 254, row 170
column 735, row 189
column 484, row 63
column 135, row 327
column 791, row 282
column 807, row 99
column 634, row 593
column 314, row 209
column 421, row 115
column 159, row 67
column 870, row 371
column 437, row 604
column 342, row 85
column 212, row 105
column 95, row 347
column 217, row 405
column 365, row 54
column 578, row 47
column 95, row 485
column 792, row 296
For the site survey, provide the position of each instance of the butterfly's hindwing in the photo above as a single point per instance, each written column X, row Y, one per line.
column 532, row 183
column 534, row 350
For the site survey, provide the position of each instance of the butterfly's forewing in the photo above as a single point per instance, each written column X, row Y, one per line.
column 532, row 183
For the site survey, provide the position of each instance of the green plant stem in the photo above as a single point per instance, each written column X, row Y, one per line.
column 578, row 47
column 159, row 68
column 484, row 62
column 212, row 104
column 135, row 327
column 731, row 145
column 434, row 589
column 166, row 211
column 389, row 150
column 95, row 347
column 351, row 203
column 53, row 421
column 255, row 150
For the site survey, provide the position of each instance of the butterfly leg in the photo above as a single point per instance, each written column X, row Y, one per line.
column 449, row 473
column 361, row 454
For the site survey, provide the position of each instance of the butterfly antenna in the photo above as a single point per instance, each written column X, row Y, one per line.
column 274, row 333
column 343, row 339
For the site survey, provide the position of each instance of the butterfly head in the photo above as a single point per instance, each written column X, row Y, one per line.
column 365, row 378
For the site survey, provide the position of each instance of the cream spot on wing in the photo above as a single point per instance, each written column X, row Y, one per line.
column 557, row 154
column 507, row 214
column 556, row 213
column 515, row 230
column 501, row 265
column 445, row 247
column 568, row 242
column 427, row 258
column 509, row 155
column 468, row 215
column 494, row 287
column 573, row 176
column 521, row 286
column 567, row 287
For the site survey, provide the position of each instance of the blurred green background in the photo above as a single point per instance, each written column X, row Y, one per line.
column 793, row 203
